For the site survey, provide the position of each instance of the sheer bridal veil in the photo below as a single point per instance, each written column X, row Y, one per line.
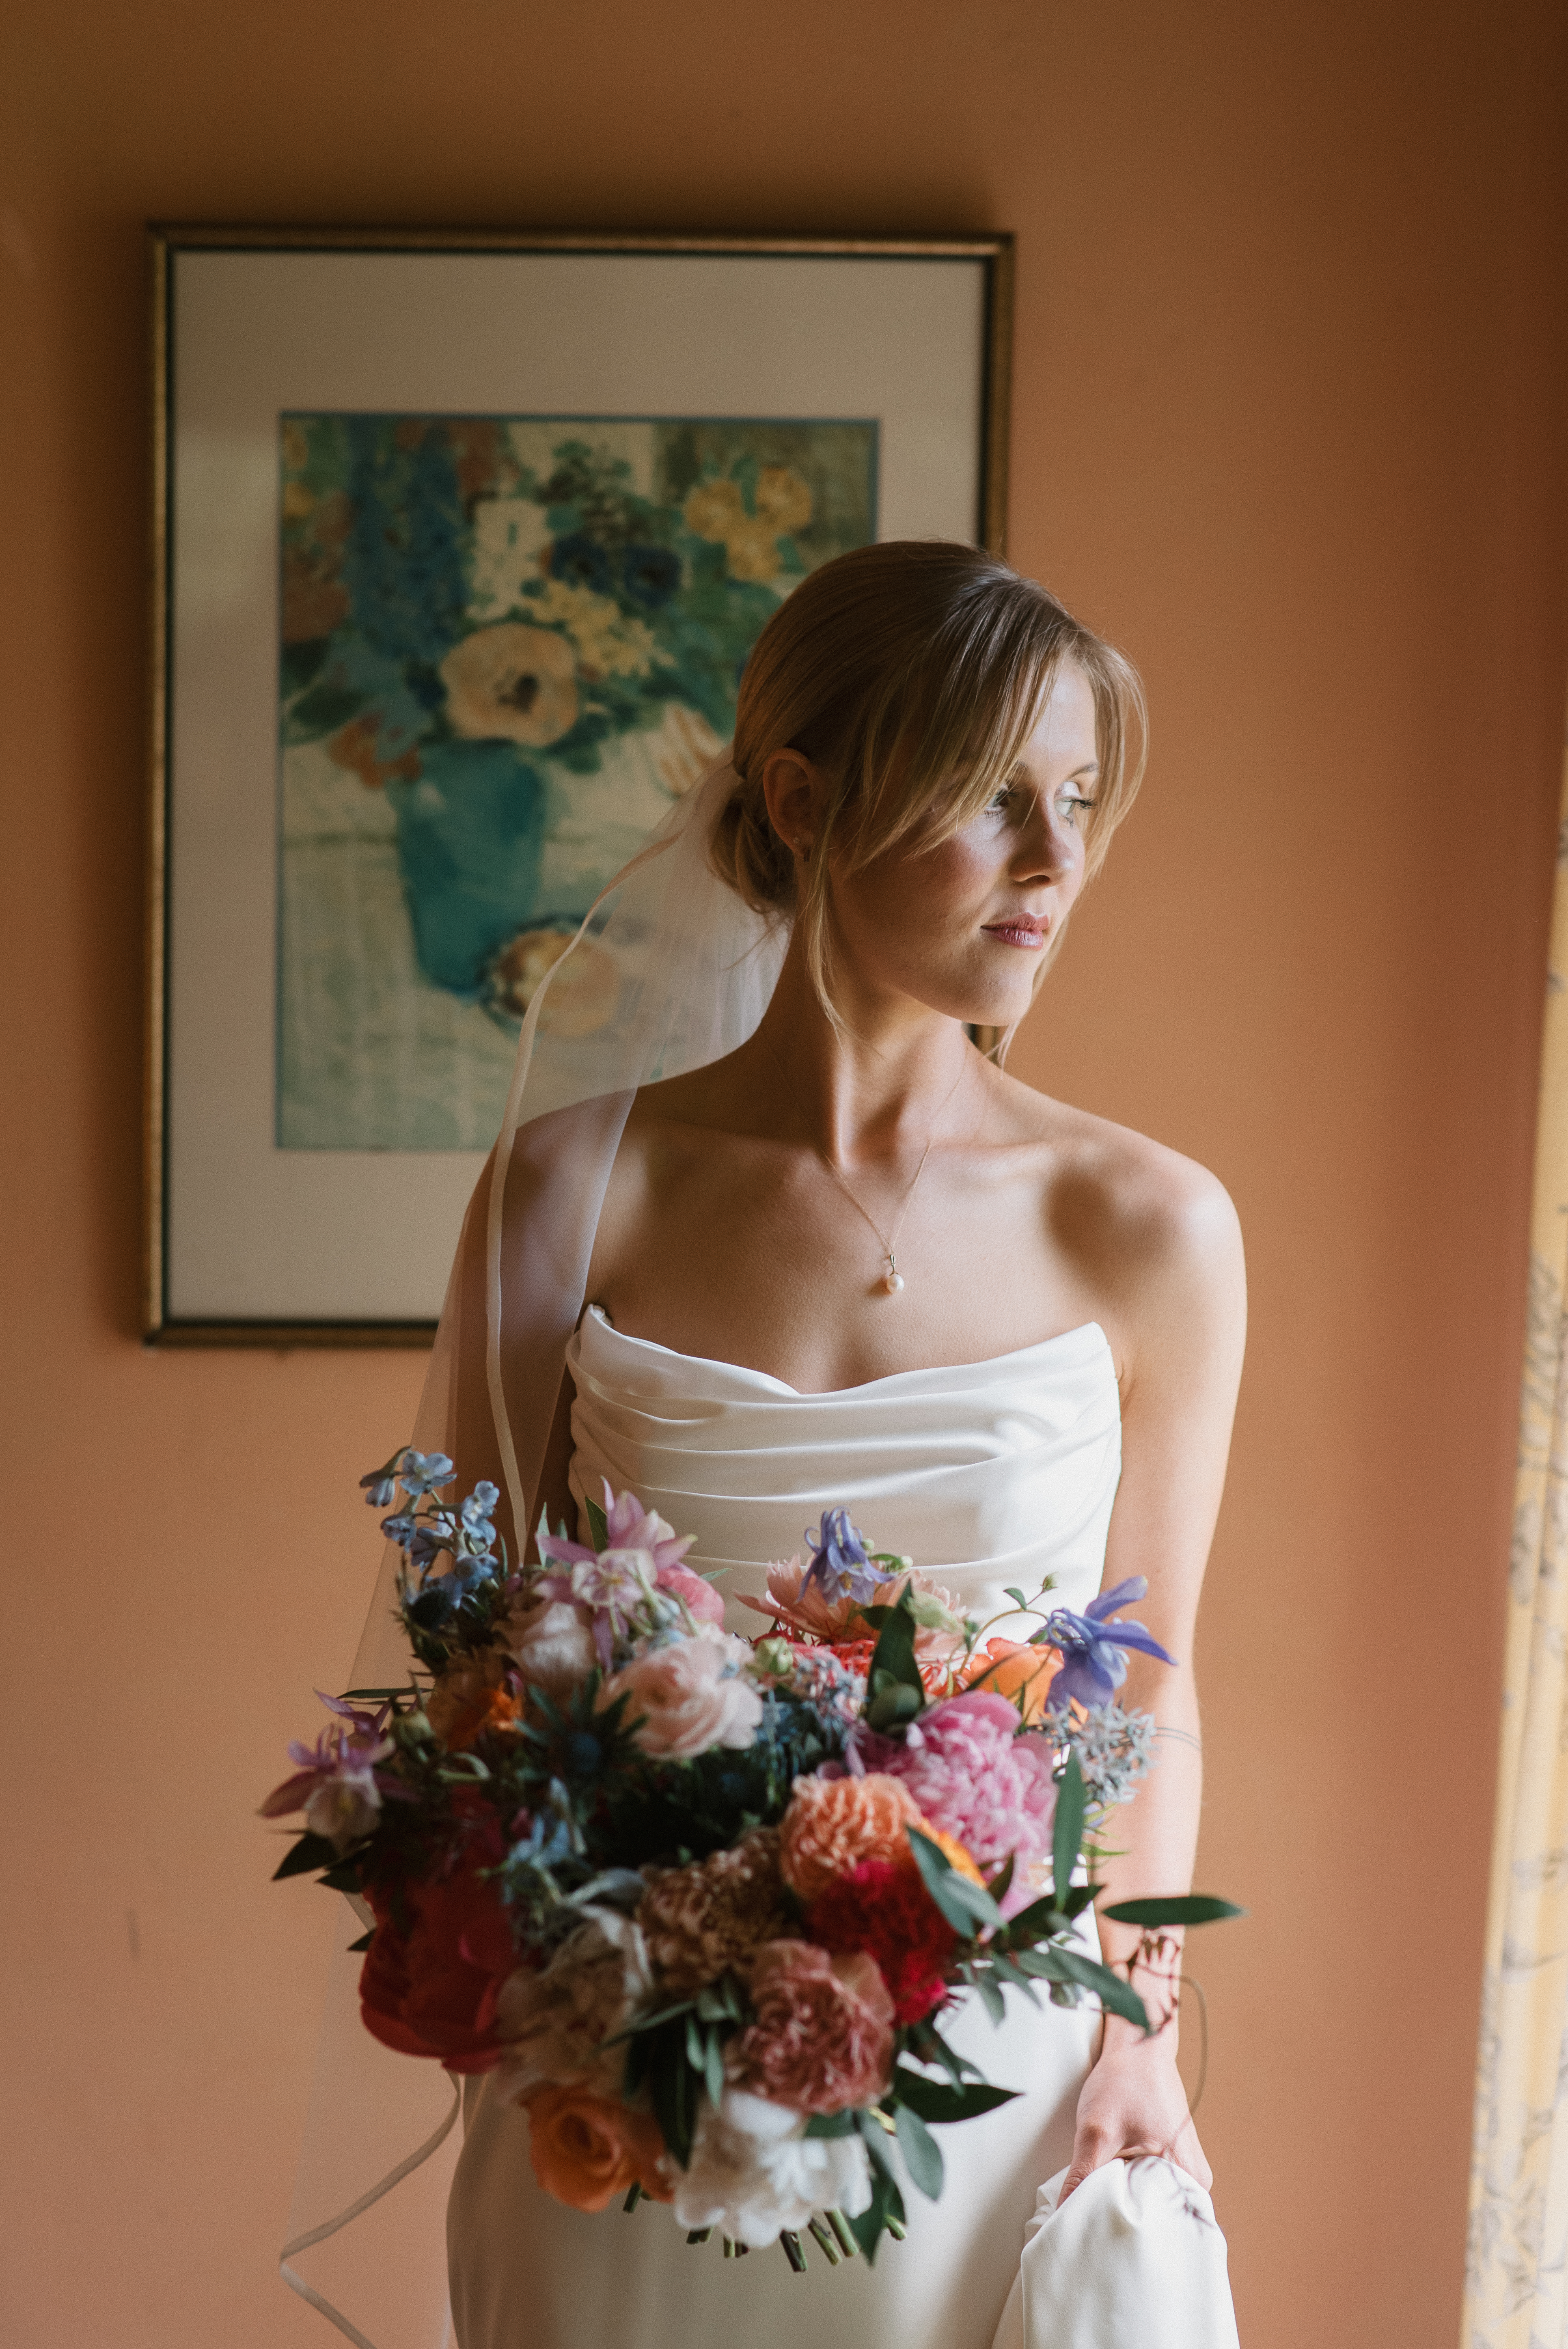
column 669, row 971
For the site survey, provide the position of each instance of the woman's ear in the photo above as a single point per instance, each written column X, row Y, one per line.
column 795, row 791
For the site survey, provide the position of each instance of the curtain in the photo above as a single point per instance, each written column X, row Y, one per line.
column 1515, row 2283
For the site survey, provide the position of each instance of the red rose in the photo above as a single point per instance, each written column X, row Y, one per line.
column 885, row 1909
column 433, row 1991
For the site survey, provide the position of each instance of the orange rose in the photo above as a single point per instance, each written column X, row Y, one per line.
column 1013, row 1670
column 587, row 2150
column 831, row 1823
column 957, row 1855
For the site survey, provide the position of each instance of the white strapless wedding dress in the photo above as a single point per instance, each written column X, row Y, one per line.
column 987, row 1474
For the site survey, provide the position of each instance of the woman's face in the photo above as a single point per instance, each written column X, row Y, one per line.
column 962, row 926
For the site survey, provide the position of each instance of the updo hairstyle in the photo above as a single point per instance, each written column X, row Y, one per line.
column 912, row 673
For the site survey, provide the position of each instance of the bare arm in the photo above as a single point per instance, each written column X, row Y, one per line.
column 1182, row 1331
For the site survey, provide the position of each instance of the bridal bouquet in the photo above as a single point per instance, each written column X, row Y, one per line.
column 699, row 1902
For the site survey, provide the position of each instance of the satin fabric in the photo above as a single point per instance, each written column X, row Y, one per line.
column 1134, row 2255
column 986, row 1473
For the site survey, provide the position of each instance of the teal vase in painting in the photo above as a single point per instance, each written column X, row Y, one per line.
column 470, row 835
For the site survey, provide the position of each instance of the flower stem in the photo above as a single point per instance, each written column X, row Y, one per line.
column 821, row 2235
column 841, row 2227
column 793, row 2252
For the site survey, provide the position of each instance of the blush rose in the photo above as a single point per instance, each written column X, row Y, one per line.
column 688, row 1696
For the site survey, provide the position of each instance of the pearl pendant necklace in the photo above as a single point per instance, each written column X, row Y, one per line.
column 892, row 1279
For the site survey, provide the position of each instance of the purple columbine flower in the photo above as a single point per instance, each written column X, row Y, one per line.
column 1093, row 1666
column 839, row 1564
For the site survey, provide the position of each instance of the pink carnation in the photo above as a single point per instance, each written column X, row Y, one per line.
column 974, row 1777
column 822, row 2039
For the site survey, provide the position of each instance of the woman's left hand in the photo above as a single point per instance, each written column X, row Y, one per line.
column 1133, row 2102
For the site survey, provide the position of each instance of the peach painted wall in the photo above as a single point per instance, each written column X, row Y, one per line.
column 1290, row 423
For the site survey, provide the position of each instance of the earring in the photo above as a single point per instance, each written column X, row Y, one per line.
column 804, row 848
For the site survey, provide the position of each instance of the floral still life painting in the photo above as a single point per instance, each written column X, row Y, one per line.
column 507, row 645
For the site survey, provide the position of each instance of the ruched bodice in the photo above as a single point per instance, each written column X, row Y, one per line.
column 986, row 1475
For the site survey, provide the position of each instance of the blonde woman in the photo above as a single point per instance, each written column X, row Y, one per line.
column 784, row 1238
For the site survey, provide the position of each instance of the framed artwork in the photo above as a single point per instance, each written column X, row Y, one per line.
column 459, row 544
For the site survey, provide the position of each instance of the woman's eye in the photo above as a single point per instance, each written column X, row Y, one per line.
column 1072, row 806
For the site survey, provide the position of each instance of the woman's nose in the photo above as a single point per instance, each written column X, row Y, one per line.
column 1048, row 849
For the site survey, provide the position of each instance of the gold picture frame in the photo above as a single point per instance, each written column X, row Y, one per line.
column 230, row 305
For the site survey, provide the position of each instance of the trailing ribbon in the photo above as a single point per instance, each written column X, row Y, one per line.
column 412, row 2162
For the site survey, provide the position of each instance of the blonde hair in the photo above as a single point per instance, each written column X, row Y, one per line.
column 912, row 673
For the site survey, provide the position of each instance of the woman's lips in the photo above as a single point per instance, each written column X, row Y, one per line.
column 1017, row 934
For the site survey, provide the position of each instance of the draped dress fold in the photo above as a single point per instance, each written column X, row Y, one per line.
column 987, row 1474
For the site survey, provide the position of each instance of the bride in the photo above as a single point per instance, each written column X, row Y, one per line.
column 784, row 1238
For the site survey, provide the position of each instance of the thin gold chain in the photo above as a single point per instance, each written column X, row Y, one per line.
column 887, row 1242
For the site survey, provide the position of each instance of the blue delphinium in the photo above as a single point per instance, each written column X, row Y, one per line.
column 422, row 1472
column 479, row 1522
column 1093, row 1666
column 840, row 1566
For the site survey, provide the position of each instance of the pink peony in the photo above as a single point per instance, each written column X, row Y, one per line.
column 972, row 1775
column 688, row 1696
column 823, row 2034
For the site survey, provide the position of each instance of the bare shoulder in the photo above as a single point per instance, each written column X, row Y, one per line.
column 1152, row 1232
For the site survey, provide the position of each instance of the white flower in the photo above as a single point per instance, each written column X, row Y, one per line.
column 754, row 2171
column 553, row 2022
column 510, row 535
column 344, row 1809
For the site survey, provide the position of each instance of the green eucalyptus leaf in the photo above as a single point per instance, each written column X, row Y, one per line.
column 1010, row 1972
column 991, row 1997
column 347, row 1876
column 921, row 2154
column 965, row 1904
column 306, row 1852
column 937, row 2101
column 597, row 1526
column 713, row 2068
column 875, row 2139
column 895, row 1654
column 1182, row 1908
column 1067, row 1828
column 927, row 2043
column 1116, row 1995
